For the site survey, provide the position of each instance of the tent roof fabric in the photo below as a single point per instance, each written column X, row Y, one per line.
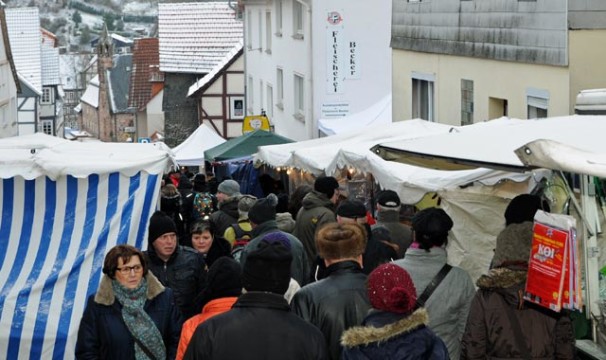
column 191, row 151
column 492, row 144
column 315, row 155
column 244, row 146
column 35, row 155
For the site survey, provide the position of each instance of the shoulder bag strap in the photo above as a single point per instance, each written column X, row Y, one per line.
column 433, row 284
column 517, row 331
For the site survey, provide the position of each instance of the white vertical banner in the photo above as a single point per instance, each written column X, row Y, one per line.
column 335, row 48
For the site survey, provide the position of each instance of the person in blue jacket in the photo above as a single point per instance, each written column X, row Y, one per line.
column 132, row 315
column 395, row 327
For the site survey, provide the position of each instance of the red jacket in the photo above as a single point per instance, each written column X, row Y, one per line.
column 212, row 308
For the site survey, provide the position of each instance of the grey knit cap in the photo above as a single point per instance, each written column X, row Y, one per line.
column 229, row 187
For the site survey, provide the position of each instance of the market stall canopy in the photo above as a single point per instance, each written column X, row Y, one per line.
column 315, row 155
column 31, row 156
column 191, row 151
column 378, row 114
column 243, row 146
column 64, row 205
column 554, row 155
column 492, row 144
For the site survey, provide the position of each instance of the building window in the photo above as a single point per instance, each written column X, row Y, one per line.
column 260, row 31
column 249, row 29
column 423, row 96
column 261, row 95
column 299, row 92
column 466, row 102
column 47, row 96
column 297, row 20
column 280, row 92
column 250, row 96
column 537, row 103
column 46, row 126
column 268, row 33
column 279, row 18
column 269, row 109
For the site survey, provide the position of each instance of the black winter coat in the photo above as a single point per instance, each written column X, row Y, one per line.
column 184, row 272
column 259, row 326
column 226, row 215
column 334, row 304
column 103, row 333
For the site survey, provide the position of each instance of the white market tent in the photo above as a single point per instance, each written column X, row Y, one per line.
column 569, row 143
column 376, row 115
column 478, row 209
column 492, row 144
column 315, row 155
column 555, row 155
column 191, row 151
column 64, row 205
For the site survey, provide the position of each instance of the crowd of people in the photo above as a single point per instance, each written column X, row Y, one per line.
column 313, row 276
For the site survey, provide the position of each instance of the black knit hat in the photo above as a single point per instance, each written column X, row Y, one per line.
column 523, row 207
column 160, row 224
column 388, row 198
column 433, row 222
column 326, row 185
column 353, row 209
column 223, row 279
column 263, row 210
column 267, row 268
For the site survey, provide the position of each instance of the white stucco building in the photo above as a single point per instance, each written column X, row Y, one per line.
column 312, row 59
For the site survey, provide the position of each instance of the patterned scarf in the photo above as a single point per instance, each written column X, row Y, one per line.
column 140, row 325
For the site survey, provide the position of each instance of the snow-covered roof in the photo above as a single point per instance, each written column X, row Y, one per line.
column 50, row 66
column 122, row 39
column 195, row 37
column 25, row 38
column 91, row 95
column 212, row 75
column 119, row 82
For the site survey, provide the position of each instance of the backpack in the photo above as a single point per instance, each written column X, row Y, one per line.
column 202, row 206
column 242, row 239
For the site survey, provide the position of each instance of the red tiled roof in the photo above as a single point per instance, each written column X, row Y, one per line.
column 146, row 60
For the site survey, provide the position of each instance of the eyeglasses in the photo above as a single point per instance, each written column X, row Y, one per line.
column 125, row 270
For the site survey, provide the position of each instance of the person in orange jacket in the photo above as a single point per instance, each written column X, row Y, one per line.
column 224, row 287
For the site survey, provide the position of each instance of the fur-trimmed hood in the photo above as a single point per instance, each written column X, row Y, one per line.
column 105, row 294
column 501, row 278
column 364, row 335
column 509, row 283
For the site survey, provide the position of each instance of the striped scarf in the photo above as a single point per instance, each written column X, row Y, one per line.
column 138, row 322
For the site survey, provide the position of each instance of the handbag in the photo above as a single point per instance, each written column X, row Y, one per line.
column 433, row 284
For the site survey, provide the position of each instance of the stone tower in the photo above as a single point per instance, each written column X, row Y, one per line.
column 105, row 52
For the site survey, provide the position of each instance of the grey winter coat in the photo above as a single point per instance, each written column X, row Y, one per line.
column 316, row 211
column 449, row 304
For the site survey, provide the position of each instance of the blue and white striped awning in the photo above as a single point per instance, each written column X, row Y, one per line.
column 57, row 221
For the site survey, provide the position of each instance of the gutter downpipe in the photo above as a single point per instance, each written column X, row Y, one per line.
column 314, row 126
